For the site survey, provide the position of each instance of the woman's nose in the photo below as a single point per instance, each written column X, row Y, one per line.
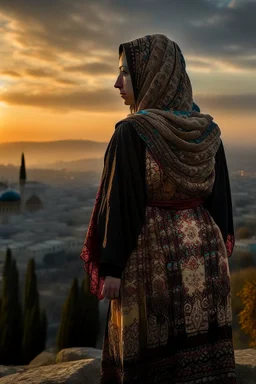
column 118, row 83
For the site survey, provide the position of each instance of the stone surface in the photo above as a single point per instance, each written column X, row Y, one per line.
column 246, row 366
column 72, row 354
column 5, row 371
column 44, row 358
column 75, row 372
column 83, row 367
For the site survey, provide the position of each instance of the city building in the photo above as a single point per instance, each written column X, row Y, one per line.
column 13, row 202
column 247, row 245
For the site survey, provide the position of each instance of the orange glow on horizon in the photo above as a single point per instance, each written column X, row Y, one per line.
column 33, row 124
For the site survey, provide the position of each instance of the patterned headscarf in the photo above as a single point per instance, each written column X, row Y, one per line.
column 182, row 140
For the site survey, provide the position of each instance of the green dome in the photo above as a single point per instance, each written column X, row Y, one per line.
column 10, row 196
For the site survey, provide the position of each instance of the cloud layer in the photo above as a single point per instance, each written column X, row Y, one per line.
column 62, row 54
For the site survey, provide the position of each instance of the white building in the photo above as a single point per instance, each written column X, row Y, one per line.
column 15, row 202
column 19, row 249
column 72, row 244
column 22, row 251
column 80, row 232
column 38, row 251
column 247, row 245
column 249, row 218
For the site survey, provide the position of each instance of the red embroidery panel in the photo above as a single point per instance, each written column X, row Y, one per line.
column 91, row 251
column 230, row 243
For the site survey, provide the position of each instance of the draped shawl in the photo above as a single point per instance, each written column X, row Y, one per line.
column 185, row 143
column 181, row 139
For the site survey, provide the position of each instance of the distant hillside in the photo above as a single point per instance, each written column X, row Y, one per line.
column 82, row 165
column 42, row 153
column 59, row 177
column 87, row 156
column 237, row 159
column 241, row 158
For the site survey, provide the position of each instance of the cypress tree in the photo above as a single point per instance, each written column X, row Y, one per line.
column 31, row 334
column 23, row 174
column 31, row 293
column 68, row 332
column 89, row 315
column 11, row 314
column 0, row 321
column 0, row 329
column 82, row 310
column 17, row 315
column 32, row 343
column 43, row 332
column 6, row 272
column 5, row 303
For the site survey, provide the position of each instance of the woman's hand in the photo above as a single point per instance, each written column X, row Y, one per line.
column 111, row 288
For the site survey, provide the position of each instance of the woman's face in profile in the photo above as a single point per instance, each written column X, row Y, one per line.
column 124, row 81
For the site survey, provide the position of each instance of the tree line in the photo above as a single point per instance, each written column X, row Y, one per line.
column 23, row 325
column 79, row 326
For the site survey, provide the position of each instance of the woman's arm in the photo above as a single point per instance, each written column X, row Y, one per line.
column 123, row 202
column 219, row 203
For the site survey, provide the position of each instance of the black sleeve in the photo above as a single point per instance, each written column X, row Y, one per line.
column 123, row 202
column 219, row 203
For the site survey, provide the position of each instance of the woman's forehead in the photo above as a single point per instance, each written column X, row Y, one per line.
column 123, row 60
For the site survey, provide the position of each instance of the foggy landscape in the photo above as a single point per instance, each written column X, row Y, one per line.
column 43, row 154
column 67, row 191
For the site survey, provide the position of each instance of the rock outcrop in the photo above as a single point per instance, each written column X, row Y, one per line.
column 82, row 366
column 10, row 370
column 246, row 366
column 75, row 372
column 44, row 358
column 72, row 354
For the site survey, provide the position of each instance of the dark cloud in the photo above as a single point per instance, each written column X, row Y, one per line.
column 227, row 103
column 39, row 72
column 201, row 27
column 109, row 101
column 11, row 73
column 55, row 31
column 79, row 27
column 66, row 102
column 97, row 68
column 37, row 53
column 66, row 82
column 244, row 62
column 67, row 25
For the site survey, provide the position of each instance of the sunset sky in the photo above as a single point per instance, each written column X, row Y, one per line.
column 59, row 61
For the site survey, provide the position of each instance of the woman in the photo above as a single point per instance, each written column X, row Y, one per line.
column 162, row 230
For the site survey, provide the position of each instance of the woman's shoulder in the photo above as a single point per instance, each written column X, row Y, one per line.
column 126, row 139
column 125, row 126
column 124, row 130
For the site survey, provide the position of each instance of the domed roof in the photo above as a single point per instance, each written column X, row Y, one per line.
column 34, row 199
column 10, row 196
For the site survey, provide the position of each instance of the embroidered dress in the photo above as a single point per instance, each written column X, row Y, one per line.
column 172, row 322
column 162, row 222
